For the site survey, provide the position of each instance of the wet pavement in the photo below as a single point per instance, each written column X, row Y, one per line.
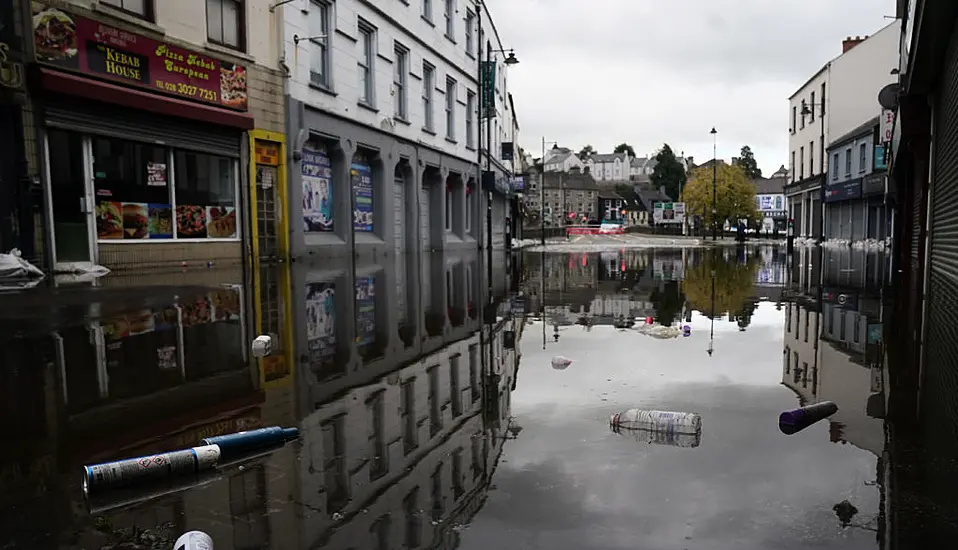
column 431, row 415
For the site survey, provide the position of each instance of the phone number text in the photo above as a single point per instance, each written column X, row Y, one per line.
column 187, row 90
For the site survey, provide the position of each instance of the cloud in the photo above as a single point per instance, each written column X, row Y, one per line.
column 654, row 71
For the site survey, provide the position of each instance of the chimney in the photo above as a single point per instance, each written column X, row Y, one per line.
column 850, row 42
column 691, row 160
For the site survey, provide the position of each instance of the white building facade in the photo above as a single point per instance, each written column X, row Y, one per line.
column 384, row 127
column 609, row 167
column 563, row 162
column 807, row 140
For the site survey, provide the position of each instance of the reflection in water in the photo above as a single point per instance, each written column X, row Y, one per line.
column 400, row 389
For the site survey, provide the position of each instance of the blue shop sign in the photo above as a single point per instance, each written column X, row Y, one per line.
column 843, row 191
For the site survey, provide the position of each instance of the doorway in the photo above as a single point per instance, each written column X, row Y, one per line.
column 70, row 192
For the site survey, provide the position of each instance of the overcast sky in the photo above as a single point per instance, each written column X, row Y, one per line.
column 648, row 72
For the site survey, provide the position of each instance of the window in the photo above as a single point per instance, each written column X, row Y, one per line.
column 821, row 151
column 821, row 100
column 470, row 37
column 794, row 118
column 835, row 162
column 450, row 20
column 319, row 62
column 862, row 157
column 427, row 10
column 428, row 83
column 792, row 167
column 801, row 163
column 811, row 158
column 449, row 206
column 802, row 115
column 225, row 23
column 470, row 119
column 848, row 161
column 205, row 194
column 450, row 108
column 811, row 107
column 401, row 69
column 467, row 217
column 139, row 8
column 367, row 40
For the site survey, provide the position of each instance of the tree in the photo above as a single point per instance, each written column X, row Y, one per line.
column 734, row 285
column 667, row 302
column 747, row 161
column 585, row 153
column 735, row 196
column 668, row 172
column 624, row 148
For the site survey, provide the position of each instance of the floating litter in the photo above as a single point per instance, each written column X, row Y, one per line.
column 796, row 420
column 561, row 363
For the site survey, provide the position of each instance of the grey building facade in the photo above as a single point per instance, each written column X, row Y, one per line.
column 855, row 206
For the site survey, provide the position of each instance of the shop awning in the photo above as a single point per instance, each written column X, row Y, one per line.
column 66, row 83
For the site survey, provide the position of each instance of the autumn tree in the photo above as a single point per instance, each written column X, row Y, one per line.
column 734, row 285
column 668, row 172
column 585, row 153
column 747, row 161
column 735, row 196
column 624, row 148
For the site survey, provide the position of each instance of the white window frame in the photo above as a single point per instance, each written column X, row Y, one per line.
column 366, row 63
column 241, row 25
column 427, row 10
column 451, row 96
column 146, row 14
column 400, row 82
column 470, row 119
column 862, row 157
column 428, row 85
column 450, row 13
column 470, row 33
column 319, row 45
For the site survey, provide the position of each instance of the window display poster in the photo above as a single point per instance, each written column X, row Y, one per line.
column 362, row 183
column 156, row 174
column 220, row 222
column 365, row 310
column 190, row 221
column 321, row 318
column 317, row 175
column 133, row 220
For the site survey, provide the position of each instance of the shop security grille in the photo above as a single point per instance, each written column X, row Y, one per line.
column 940, row 385
column 267, row 220
column 92, row 117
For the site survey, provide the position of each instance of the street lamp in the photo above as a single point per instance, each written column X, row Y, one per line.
column 712, row 321
column 542, row 185
column 714, row 133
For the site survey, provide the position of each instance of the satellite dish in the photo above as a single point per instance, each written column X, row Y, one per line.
column 888, row 96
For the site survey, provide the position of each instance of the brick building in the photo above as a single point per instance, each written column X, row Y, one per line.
column 151, row 119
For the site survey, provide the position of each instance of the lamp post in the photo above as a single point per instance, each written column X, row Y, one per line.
column 542, row 185
column 712, row 321
column 714, row 179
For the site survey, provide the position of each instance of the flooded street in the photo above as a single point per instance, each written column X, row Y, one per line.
column 431, row 413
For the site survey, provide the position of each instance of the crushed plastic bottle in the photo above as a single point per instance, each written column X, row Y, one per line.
column 663, row 437
column 561, row 363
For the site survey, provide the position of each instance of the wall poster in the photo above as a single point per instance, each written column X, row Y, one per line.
column 317, row 175
column 361, row 177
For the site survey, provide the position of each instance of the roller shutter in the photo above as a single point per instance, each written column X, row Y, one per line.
column 110, row 120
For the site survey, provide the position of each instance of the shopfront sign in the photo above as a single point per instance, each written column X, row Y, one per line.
column 11, row 71
column 873, row 184
column 487, row 75
column 79, row 44
column 850, row 189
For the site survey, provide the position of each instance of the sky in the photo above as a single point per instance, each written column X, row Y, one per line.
column 648, row 72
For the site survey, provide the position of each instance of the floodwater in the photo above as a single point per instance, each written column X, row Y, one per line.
column 431, row 416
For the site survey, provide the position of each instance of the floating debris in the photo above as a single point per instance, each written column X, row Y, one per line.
column 796, row 420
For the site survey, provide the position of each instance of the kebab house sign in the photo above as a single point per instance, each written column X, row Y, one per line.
column 75, row 43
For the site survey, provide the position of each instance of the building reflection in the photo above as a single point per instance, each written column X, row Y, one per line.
column 398, row 376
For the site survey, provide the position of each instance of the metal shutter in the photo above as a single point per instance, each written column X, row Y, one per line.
column 940, row 385
column 110, row 120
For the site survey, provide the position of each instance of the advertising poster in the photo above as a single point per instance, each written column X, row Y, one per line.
column 76, row 43
column 317, row 175
column 190, row 221
column 220, row 222
column 161, row 221
column 365, row 310
column 133, row 220
column 362, row 183
column 321, row 319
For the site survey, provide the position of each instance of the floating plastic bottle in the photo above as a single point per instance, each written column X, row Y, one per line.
column 657, row 421
column 796, row 420
column 131, row 471
column 663, row 437
column 240, row 443
column 193, row 540
column 686, row 331
column 561, row 363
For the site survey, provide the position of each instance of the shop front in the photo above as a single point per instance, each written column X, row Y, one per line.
column 141, row 146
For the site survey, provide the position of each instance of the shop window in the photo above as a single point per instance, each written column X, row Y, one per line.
column 139, row 8
column 317, row 175
column 131, row 183
column 467, row 218
column 225, row 23
column 449, row 206
column 205, row 195
column 361, row 176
